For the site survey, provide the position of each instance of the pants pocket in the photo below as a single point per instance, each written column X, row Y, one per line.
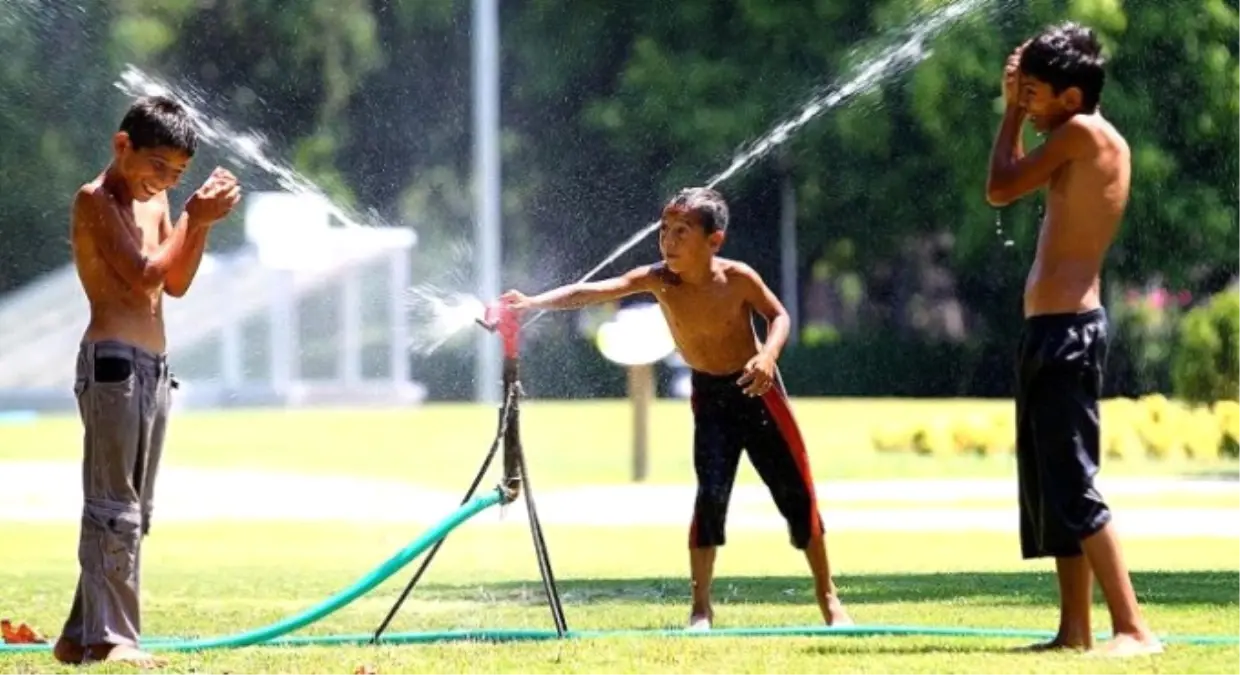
column 110, row 537
column 112, row 369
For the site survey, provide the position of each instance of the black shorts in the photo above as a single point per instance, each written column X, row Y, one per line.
column 726, row 420
column 1059, row 383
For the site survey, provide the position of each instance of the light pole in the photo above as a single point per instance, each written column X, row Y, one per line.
column 487, row 187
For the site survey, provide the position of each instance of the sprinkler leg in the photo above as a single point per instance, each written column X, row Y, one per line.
column 430, row 555
column 544, row 558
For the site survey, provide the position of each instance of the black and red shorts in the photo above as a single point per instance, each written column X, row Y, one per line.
column 727, row 421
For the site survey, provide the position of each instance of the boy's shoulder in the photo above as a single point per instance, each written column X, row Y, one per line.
column 658, row 272
column 1090, row 133
column 89, row 198
column 735, row 270
column 92, row 189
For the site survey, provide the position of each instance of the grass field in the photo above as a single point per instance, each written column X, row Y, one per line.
column 567, row 443
column 213, row 578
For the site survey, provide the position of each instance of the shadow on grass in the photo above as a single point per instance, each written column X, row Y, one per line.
column 1210, row 588
column 886, row 646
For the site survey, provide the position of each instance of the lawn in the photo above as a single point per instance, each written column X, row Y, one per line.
column 486, row 577
column 567, row 443
column 213, row 578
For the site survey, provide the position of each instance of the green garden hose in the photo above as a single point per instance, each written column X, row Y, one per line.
column 276, row 634
column 316, row 613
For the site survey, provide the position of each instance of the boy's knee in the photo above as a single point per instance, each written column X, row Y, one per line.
column 707, row 534
column 804, row 537
column 1082, row 513
column 708, row 528
column 111, row 532
column 805, row 529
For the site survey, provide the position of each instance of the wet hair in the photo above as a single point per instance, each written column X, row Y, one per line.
column 159, row 122
column 1067, row 55
column 705, row 203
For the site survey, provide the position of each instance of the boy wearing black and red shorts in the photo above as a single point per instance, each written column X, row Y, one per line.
column 738, row 400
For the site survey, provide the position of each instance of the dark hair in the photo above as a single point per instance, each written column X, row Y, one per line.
column 159, row 122
column 1067, row 55
column 707, row 204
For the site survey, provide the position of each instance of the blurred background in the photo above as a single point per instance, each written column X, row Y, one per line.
column 870, row 222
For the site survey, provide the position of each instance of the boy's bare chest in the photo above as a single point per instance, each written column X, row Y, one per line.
column 702, row 310
column 143, row 224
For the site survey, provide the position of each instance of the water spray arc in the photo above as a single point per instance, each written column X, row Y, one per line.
column 884, row 65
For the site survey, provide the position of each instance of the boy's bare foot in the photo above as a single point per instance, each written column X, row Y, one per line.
column 833, row 611
column 67, row 651
column 126, row 654
column 701, row 618
column 1059, row 643
column 1124, row 646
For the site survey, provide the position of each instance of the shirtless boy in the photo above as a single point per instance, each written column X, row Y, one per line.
column 738, row 400
column 128, row 254
column 1054, row 81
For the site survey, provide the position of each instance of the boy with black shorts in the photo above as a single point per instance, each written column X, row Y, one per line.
column 128, row 255
column 1055, row 81
column 738, row 400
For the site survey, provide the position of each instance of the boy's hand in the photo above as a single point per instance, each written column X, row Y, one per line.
column 516, row 300
column 759, row 375
column 215, row 199
column 1011, row 77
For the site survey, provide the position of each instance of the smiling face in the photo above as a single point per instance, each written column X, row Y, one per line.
column 148, row 171
column 153, row 146
column 1062, row 74
column 1047, row 110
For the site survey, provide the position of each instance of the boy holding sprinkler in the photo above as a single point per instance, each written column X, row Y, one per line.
column 128, row 254
column 1054, row 81
column 738, row 399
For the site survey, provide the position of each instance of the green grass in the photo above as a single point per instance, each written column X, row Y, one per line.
column 567, row 443
column 204, row 579
column 1120, row 502
column 486, row 577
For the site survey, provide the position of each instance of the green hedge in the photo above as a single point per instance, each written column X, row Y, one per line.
column 1206, row 364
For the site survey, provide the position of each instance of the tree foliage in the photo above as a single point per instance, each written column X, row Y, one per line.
column 607, row 107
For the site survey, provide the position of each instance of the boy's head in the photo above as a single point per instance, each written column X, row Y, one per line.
column 154, row 145
column 692, row 227
column 1061, row 74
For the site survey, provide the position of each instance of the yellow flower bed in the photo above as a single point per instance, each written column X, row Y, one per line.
column 1152, row 426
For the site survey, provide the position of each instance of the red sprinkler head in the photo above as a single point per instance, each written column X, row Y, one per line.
column 502, row 319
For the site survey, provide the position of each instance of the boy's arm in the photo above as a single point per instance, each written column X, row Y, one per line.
column 583, row 294
column 185, row 266
column 763, row 300
column 209, row 203
column 98, row 218
column 1012, row 177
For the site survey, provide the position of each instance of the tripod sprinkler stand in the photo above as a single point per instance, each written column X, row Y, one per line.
column 502, row 320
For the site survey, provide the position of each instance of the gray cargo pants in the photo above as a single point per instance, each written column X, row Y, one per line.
column 123, row 397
